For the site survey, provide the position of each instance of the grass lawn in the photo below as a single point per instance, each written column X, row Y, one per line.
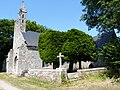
column 89, row 82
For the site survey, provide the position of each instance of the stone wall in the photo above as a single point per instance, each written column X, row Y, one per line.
column 75, row 65
column 60, row 73
column 48, row 74
column 35, row 61
column 18, row 42
column 92, row 70
column 9, row 62
column 84, row 64
column 81, row 72
column 28, row 59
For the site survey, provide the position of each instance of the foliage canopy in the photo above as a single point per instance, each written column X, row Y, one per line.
column 78, row 46
column 74, row 44
column 6, row 37
column 111, row 54
column 50, row 44
column 102, row 14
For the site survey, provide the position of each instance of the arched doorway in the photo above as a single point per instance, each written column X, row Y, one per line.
column 15, row 64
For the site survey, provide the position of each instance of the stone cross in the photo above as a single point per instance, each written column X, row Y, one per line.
column 60, row 59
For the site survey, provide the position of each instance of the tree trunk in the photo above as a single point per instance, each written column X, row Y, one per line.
column 55, row 65
column 71, row 66
column 80, row 65
column 1, row 65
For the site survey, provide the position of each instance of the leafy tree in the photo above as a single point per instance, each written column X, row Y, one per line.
column 74, row 44
column 6, row 35
column 102, row 14
column 50, row 44
column 78, row 46
column 111, row 54
column 33, row 26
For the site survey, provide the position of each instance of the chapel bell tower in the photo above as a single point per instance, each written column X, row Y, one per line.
column 22, row 17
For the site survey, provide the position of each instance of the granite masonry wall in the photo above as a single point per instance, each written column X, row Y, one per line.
column 48, row 74
column 9, row 61
column 27, row 59
column 81, row 72
column 60, row 73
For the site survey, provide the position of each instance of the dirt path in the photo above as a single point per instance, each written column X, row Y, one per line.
column 6, row 86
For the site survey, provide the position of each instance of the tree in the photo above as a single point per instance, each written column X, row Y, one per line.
column 50, row 44
column 33, row 26
column 78, row 46
column 111, row 55
column 6, row 36
column 74, row 44
column 102, row 14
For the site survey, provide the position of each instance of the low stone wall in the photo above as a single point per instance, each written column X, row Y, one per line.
column 92, row 70
column 48, row 74
column 60, row 73
column 78, row 75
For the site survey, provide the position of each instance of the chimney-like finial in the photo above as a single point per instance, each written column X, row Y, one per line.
column 22, row 4
column 22, row 17
column 23, row 8
column 22, row 1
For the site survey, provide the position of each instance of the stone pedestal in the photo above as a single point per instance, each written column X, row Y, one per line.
column 62, row 74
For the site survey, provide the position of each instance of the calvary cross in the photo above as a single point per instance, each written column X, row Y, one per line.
column 60, row 59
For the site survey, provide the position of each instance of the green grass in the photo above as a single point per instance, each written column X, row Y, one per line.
column 29, row 83
column 99, row 76
column 96, row 81
column 89, row 78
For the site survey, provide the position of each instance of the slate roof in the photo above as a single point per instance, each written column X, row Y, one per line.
column 31, row 38
column 103, row 39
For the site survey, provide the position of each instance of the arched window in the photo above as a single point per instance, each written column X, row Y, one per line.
column 22, row 21
column 15, row 60
column 23, row 16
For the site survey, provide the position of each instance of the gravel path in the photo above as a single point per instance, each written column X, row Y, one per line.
column 6, row 86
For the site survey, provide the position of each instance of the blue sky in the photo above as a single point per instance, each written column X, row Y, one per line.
column 55, row 14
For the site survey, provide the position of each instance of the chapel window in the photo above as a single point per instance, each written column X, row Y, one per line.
column 22, row 21
column 23, row 16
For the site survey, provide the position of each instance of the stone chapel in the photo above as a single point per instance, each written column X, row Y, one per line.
column 24, row 54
